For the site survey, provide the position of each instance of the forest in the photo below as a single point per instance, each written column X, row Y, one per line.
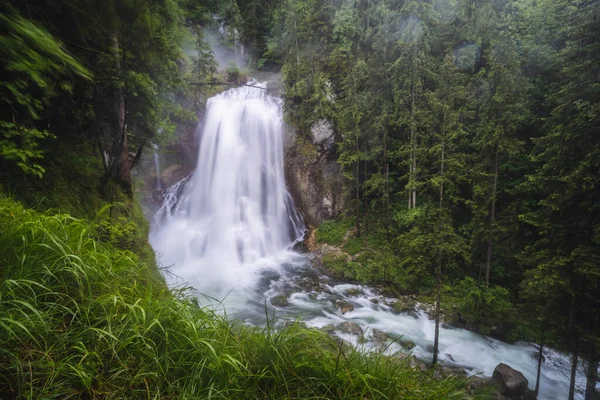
column 467, row 132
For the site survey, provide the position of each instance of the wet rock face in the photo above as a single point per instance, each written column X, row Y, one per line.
column 313, row 176
column 512, row 383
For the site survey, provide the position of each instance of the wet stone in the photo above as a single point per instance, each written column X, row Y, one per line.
column 407, row 344
column 279, row 301
column 350, row 327
column 353, row 292
column 379, row 336
column 344, row 306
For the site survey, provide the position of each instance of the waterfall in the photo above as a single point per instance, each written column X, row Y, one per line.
column 234, row 215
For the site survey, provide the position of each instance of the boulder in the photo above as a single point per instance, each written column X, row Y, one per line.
column 374, row 300
column 379, row 337
column 279, row 301
column 512, row 383
column 407, row 344
column 344, row 306
column 350, row 327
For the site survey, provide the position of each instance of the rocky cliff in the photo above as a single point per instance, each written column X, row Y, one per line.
column 313, row 176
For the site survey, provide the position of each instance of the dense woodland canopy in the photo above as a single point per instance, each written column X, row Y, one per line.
column 468, row 130
column 469, row 134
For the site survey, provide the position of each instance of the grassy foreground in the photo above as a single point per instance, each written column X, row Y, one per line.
column 82, row 319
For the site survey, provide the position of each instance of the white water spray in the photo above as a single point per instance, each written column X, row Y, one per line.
column 234, row 216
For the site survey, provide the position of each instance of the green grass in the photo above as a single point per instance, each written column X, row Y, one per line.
column 80, row 318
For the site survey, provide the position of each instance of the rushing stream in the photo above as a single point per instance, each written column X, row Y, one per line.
column 227, row 230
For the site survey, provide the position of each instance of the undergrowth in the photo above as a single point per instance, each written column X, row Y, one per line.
column 80, row 318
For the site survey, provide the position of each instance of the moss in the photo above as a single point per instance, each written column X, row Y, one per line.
column 336, row 264
column 353, row 245
column 333, row 231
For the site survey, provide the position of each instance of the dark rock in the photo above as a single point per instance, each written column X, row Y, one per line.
column 353, row 292
column 309, row 284
column 300, row 247
column 344, row 306
column 374, row 300
column 379, row 336
column 279, row 301
column 407, row 344
column 350, row 327
column 528, row 395
column 512, row 383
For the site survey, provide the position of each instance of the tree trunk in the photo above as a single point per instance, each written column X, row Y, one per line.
column 592, row 375
column 574, row 369
column 539, row 366
column 438, row 273
column 488, row 260
column 357, row 191
column 118, row 166
column 413, row 150
column 386, row 193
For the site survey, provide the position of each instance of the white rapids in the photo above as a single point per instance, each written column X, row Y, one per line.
column 227, row 230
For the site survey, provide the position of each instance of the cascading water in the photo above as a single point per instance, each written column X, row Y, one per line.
column 234, row 216
column 157, row 166
column 227, row 229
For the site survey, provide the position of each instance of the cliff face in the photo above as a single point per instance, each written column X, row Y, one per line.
column 313, row 176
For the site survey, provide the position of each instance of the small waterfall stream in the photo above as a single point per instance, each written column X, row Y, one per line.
column 227, row 231
column 157, row 166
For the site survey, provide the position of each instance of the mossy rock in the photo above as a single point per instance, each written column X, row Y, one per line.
column 405, row 343
column 279, row 301
column 354, row 292
column 403, row 304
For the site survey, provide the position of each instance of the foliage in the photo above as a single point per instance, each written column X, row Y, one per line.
column 83, row 319
column 34, row 66
column 483, row 306
column 333, row 232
